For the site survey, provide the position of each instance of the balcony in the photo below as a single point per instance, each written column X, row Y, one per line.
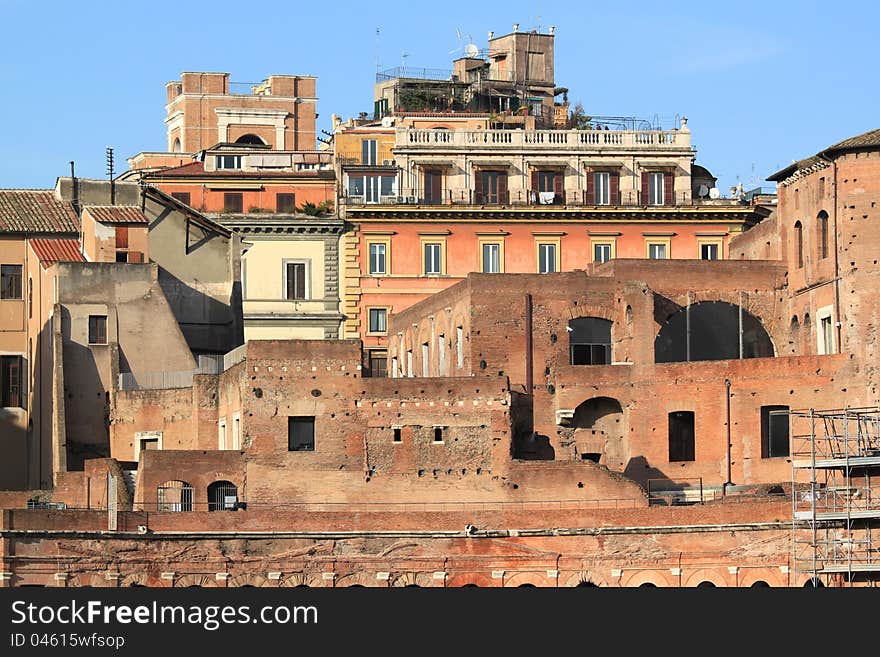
column 532, row 141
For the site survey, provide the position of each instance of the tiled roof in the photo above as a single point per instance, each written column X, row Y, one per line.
column 35, row 211
column 864, row 140
column 50, row 251
column 117, row 214
column 870, row 139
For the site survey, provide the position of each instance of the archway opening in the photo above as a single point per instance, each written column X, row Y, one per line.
column 250, row 139
column 599, row 431
column 589, row 340
column 174, row 496
column 222, row 496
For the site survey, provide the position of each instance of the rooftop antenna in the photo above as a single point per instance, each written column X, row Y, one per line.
column 377, row 50
column 403, row 56
column 110, row 175
column 470, row 47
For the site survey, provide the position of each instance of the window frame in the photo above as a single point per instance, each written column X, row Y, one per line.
column 689, row 452
column 825, row 317
column 440, row 244
column 229, row 208
column 12, row 391
column 611, row 243
column 557, row 254
column 665, row 242
column 490, row 241
column 5, row 275
column 766, row 427
column 656, row 191
column 221, row 160
column 605, row 176
column 92, row 335
column 307, row 274
column 291, row 196
column 377, row 309
column 307, row 420
column 717, row 242
column 377, row 241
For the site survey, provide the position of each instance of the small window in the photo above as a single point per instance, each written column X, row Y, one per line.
column 799, row 243
column 602, row 182
column 774, row 431
column 377, row 320
column 232, row 202
column 826, row 334
column 236, row 432
column 823, row 234
column 491, row 258
column 10, row 281
column 459, row 347
column 183, row 197
column 221, row 433
column 122, row 256
column 301, row 434
column 295, row 287
column 228, row 161
column 657, row 251
column 285, row 203
column 438, row 434
column 546, row 258
column 97, row 329
column 397, row 435
column 222, row 496
column 409, row 363
column 11, row 379
column 601, row 252
column 655, row 188
column 426, row 362
column 368, row 151
column 433, row 253
column 377, row 258
column 378, row 363
column 589, row 341
column 708, row 252
column 681, row 436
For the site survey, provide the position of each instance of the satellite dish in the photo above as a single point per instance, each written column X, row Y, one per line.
column 471, row 50
column 714, row 193
column 703, row 191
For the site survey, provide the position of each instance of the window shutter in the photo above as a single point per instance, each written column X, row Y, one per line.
column 121, row 237
column 668, row 191
column 614, row 188
column 535, row 181
column 478, row 186
column 559, row 185
column 135, row 256
column 300, row 280
column 591, row 188
column 645, row 187
column 502, row 187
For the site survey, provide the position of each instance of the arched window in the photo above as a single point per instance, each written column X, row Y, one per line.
column 799, row 243
column 175, row 148
column 823, row 234
column 249, row 139
column 222, row 496
column 174, row 496
column 709, row 330
column 589, row 340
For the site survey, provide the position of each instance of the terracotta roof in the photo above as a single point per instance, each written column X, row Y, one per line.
column 117, row 214
column 35, row 211
column 870, row 139
column 50, row 251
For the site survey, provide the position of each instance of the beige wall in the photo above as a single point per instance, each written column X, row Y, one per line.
column 264, row 267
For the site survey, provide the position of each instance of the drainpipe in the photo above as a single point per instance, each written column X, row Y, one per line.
column 687, row 317
column 529, row 364
column 837, row 321
column 728, row 482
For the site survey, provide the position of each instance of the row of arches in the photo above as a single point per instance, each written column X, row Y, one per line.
column 822, row 238
column 177, row 495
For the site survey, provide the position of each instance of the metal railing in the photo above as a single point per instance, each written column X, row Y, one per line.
column 415, row 73
column 208, row 364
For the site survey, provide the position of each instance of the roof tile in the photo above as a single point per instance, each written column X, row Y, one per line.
column 35, row 211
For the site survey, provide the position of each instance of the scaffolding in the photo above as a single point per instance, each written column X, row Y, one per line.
column 835, row 458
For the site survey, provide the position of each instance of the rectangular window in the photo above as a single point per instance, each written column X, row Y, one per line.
column 377, row 320
column 97, row 329
column 708, row 252
column 438, row 434
column 491, row 258
column 397, row 435
column 232, row 202
column 601, row 252
column 774, row 431
column 295, row 280
column 377, row 258
column 285, row 203
column 183, row 197
column 441, row 351
column 236, row 432
column 221, row 433
column 378, row 362
column 590, row 354
column 493, row 186
column 409, row 363
column 10, row 282
column 395, row 368
column 368, row 151
column 602, row 182
column 228, row 161
column 546, row 181
column 681, row 436
column 11, row 393
column 433, row 186
column 657, row 251
column 827, row 335
column 655, row 188
column 426, row 362
column 546, row 258
column 121, row 237
column 433, row 252
column 301, row 434
column 459, row 347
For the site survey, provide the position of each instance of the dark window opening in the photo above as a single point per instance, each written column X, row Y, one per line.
column 589, row 340
column 122, row 256
column 799, row 243
column 222, row 496
column 285, row 203
column 774, row 431
column 714, row 335
column 232, row 202
column 10, row 281
column 438, row 434
column 183, row 197
column 591, row 456
column 295, row 273
column 823, row 234
column 397, row 435
column 301, row 434
column 249, row 139
column 492, row 187
column 681, row 436
column 377, row 365
column 377, row 317
column 433, row 186
column 97, row 329
column 175, row 496
column 11, row 369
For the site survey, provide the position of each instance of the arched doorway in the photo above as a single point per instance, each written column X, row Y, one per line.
column 599, row 432
column 174, row 496
column 710, row 330
column 222, row 496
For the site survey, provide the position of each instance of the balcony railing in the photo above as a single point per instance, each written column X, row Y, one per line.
column 531, row 140
column 574, row 198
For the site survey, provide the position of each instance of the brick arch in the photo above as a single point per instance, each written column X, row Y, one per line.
column 247, row 579
column 413, row 579
column 96, row 580
column 302, row 579
column 139, row 579
column 533, row 578
column 195, row 579
column 656, row 577
column 361, row 578
column 706, row 575
column 585, row 308
column 470, row 578
column 585, row 576
column 770, row 575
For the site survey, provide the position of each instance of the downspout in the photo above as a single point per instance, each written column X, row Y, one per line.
column 837, row 322
column 529, row 365
column 728, row 482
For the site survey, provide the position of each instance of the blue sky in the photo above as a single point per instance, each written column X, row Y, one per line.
column 762, row 83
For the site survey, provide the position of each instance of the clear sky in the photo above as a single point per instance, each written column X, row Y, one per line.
column 762, row 83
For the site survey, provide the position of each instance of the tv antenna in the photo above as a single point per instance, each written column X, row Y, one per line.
column 403, row 56
column 469, row 48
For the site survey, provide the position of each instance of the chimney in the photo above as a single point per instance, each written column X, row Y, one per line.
column 552, row 29
column 516, row 27
column 491, row 34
